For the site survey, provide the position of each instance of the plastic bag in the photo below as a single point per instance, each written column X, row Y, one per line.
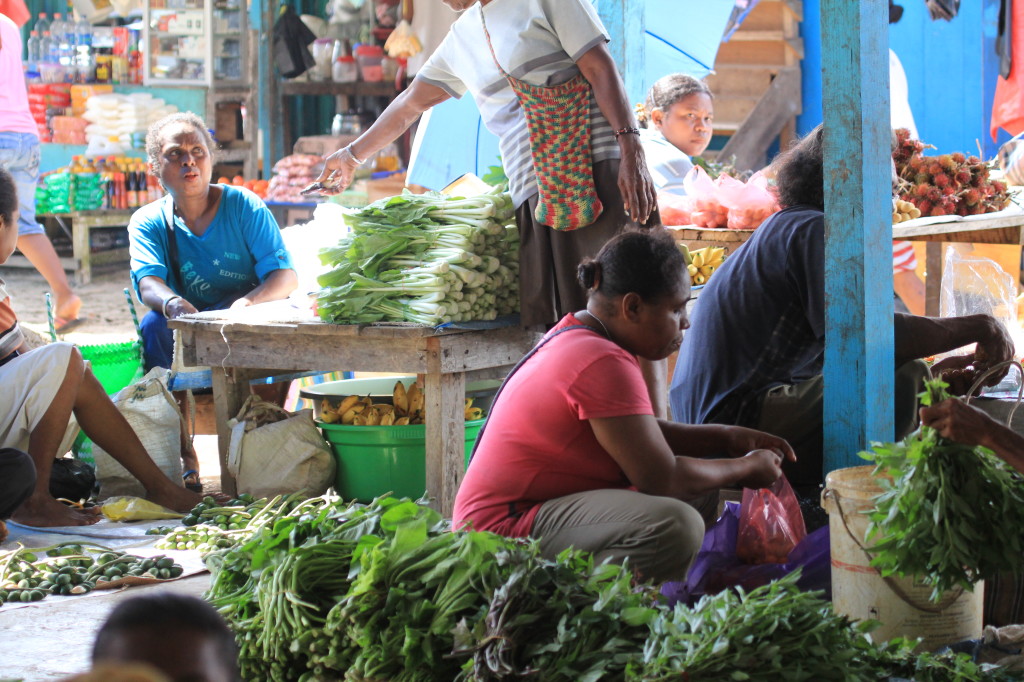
column 136, row 509
column 71, row 479
column 717, row 567
column 749, row 203
column 702, row 197
column 674, row 208
column 771, row 524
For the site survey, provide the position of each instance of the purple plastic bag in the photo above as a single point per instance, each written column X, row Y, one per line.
column 717, row 566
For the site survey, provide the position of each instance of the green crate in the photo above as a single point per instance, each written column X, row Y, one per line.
column 373, row 460
column 115, row 365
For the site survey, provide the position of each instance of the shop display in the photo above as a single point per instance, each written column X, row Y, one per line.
column 291, row 174
column 89, row 184
column 702, row 263
column 424, row 258
column 949, row 184
column 198, row 43
column 69, row 51
column 126, row 117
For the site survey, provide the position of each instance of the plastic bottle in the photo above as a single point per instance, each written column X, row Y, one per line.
column 84, row 59
column 135, row 67
column 42, row 24
column 32, row 54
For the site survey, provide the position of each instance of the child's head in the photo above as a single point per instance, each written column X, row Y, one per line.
column 182, row 636
column 680, row 107
column 8, row 215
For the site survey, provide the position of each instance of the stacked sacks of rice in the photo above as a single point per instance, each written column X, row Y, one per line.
column 126, row 117
column 291, row 174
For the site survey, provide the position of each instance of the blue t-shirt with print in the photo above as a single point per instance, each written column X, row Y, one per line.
column 239, row 249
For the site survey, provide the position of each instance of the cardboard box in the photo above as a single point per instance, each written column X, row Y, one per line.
column 385, row 187
column 322, row 145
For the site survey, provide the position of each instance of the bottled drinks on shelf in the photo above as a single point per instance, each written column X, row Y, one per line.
column 42, row 24
column 85, row 65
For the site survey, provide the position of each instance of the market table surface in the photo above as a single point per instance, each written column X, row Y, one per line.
column 1002, row 227
column 265, row 339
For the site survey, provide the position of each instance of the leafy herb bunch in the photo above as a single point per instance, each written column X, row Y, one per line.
column 950, row 514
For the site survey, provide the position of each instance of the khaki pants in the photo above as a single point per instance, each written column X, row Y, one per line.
column 660, row 536
column 794, row 412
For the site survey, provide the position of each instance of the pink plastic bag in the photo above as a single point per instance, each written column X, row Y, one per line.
column 749, row 203
column 771, row 524
column 674, row 209
column 705, row 208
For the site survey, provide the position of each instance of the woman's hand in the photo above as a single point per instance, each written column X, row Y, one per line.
column 740, row 440
column 339, row 169
column 638, row 193
column 956, row 420
column 765, row 469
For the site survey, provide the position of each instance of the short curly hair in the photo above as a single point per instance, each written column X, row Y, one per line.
column 799, row 171
column 669, row 89
column 155, row 140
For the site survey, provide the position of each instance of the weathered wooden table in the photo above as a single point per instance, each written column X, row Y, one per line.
column 1003, row 227
column 239, row 347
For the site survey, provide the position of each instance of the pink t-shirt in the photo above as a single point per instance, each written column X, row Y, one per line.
column 15, row 116
column 538, row 445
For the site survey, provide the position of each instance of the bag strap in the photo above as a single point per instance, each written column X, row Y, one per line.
column 172, row 244
column 487, row 35
column 533, row 351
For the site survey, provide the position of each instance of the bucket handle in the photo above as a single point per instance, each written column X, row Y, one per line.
column 893, row 585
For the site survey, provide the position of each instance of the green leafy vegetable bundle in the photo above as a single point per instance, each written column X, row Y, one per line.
column 950, row 513
column 424, row 258
column 386, row 591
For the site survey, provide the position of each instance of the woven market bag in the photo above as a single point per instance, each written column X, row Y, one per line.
column 275, row 452
column 153, row 414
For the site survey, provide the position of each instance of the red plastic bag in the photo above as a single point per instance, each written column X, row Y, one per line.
column 749, row 203
column 674, row 208
column 771, row 524
column 702, row 193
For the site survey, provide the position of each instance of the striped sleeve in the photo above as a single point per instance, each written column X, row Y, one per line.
column 11, row 337
column 903, row 258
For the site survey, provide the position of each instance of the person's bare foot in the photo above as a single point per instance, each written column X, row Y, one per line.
column 44, row 512
column 174, row 497
column 69, row 308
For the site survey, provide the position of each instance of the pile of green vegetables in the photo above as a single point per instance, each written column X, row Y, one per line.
column 386, row 591
column 424, row 258
column 950, row 514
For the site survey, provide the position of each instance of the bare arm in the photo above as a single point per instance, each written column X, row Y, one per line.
column 636, row 444
column 278, row 285
column 153, row 291
column 706, row 440
column 920, row 337
column 956, row 420
column 340, row 166
column 635, row 182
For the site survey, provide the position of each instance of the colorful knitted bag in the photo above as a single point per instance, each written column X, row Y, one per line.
column 558, row 119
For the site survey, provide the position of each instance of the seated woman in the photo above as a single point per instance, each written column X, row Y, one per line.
column 202, row 247
column 679, row 115
column 42, row 388
column 572, row 454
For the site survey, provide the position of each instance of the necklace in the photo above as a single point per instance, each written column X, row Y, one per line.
column 605, row 328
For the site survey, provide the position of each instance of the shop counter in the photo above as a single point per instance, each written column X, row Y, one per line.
column 273, row 338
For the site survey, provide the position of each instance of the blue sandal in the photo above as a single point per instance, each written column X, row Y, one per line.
column 196, row 485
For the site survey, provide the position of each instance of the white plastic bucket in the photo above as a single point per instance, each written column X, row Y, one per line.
column 901, row 605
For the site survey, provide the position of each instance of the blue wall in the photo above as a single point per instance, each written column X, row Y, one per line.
column 951, row 70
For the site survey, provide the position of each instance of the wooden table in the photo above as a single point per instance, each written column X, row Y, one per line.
column 699, row 237
column 1004, row 227
column 239, row 347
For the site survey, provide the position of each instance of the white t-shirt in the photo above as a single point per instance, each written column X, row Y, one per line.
column 667, row 163
column 536, row 41
column 899, row 97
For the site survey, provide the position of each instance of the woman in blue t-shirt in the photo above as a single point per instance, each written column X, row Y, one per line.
column 204, row 246
column 679, row 114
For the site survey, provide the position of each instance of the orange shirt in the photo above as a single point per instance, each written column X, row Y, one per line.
column 11, row 337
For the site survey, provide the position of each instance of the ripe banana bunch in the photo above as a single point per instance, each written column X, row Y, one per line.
column 703, row 262
column 407, row 408
column 904, row 211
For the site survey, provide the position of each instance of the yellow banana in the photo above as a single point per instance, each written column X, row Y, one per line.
column 401, row 398
column 697, row 258
column 402, row 421
column 366, row 401
column 359, row 420
column 372, row 416
column 685, row 250
column 699, row 279
column 329, row 417
column 473, row 413
column 387, row 419
column 415, row 399
column 706, row 271
column 347, row 403
column 692, row 269
column 351, row 413
column 325, row 407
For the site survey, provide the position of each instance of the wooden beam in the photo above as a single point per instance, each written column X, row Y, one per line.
column 858, row 372
column 778, row 105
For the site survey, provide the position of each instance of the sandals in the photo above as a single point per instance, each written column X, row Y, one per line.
column 192, row 482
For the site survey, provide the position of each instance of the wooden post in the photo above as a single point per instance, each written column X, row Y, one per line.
column 624, row 20
column 858, row 229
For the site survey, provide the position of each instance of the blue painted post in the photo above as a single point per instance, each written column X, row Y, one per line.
column 624, row 20
column 858, row 229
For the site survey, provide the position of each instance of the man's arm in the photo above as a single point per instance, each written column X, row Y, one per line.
column 920, row 337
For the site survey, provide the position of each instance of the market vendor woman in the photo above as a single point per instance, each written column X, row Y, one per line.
column 547, row 87
column 571, row 453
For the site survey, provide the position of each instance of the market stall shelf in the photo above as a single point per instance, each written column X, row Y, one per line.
column 239, row 347
column 1003, row 227
column 699, row 237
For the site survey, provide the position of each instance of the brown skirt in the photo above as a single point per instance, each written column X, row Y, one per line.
column 548, row 286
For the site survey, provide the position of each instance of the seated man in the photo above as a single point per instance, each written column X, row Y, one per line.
column 42, row 387
column 754, row 354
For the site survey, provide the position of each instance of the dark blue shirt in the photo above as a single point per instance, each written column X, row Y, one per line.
column 758, row 323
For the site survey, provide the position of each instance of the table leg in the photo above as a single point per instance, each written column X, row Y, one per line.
column 933, row 278
column 444, row 399
column 230, row 390
column 80, row 251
